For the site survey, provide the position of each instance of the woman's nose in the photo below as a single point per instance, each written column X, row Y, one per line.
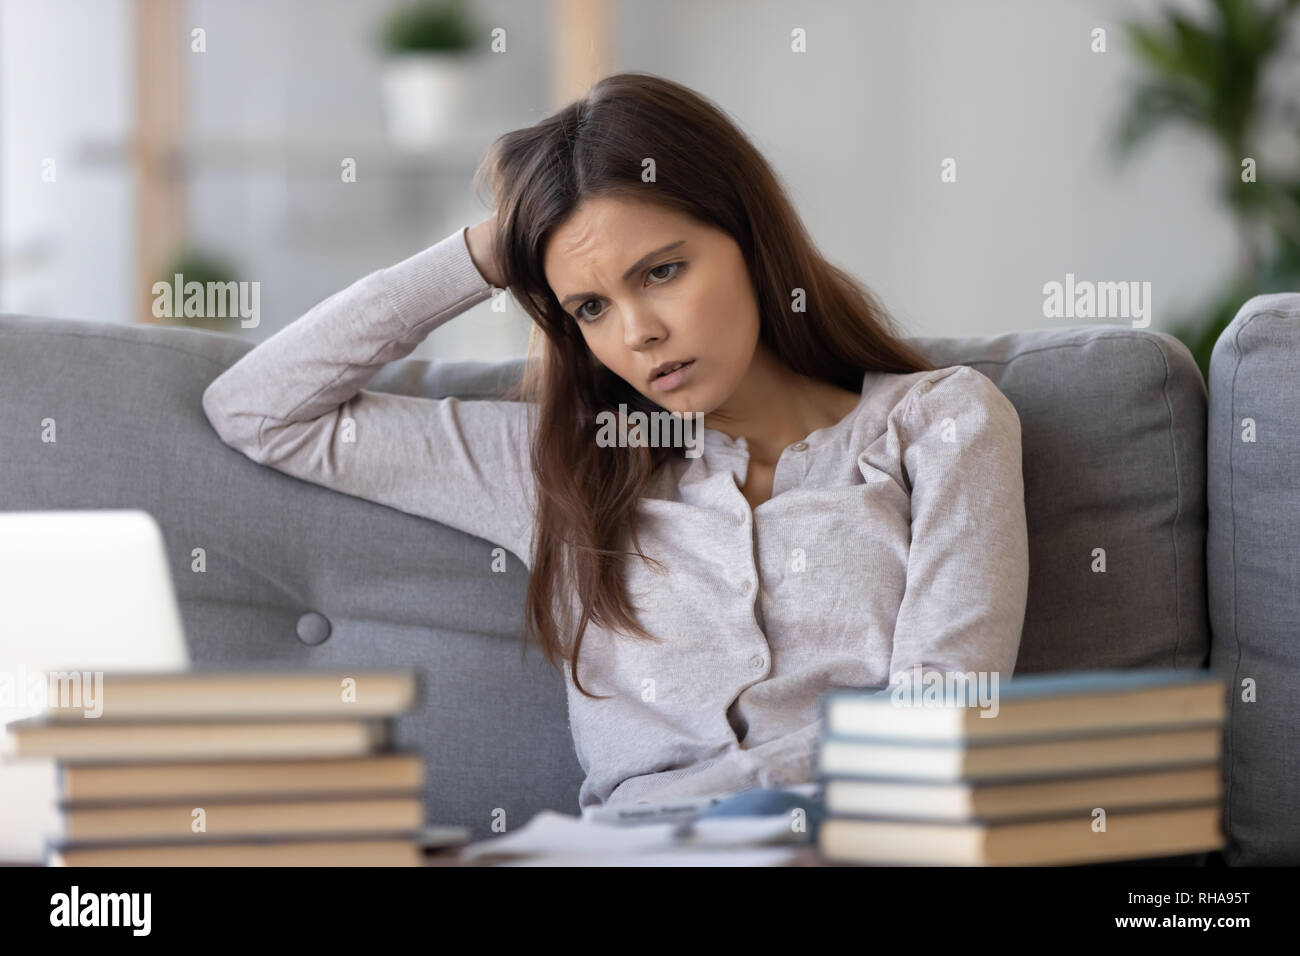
column 641, row 328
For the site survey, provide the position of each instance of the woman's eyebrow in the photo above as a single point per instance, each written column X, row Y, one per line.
column 628, row 274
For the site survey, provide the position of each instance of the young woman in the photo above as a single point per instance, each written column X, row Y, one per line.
column 855, row 513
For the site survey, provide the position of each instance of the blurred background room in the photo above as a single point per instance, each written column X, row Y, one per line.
column 956, row 156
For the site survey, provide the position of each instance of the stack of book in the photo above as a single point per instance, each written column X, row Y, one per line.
column 232, row 768
column 1066, row 769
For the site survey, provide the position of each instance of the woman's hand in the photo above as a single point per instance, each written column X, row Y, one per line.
column 482, row 249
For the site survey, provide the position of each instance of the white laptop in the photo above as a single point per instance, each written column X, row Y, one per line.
column 80, row 592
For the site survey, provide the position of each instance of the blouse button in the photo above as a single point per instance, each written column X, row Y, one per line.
column 799, row 445
column 745, row 586
column 756, row 661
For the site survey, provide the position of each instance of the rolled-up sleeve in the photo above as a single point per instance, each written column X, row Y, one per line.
column 968, row 565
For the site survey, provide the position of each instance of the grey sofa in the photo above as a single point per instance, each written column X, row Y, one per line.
column 1200, row 533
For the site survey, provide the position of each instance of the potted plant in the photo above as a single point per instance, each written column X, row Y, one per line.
column 1209, row 75
column 427, row 47
column 192, row 264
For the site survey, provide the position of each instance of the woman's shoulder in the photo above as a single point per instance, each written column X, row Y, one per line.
column 895, row 390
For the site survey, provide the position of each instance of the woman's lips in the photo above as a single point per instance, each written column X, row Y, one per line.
column 666, row 383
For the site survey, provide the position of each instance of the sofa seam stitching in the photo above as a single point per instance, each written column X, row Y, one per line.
column 1232, row 512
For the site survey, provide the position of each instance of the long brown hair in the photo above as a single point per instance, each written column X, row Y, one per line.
column 706, row 168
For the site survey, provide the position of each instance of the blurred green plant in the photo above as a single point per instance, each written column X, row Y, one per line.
column 428, row 27
column 196, row 264
column 1211, row 77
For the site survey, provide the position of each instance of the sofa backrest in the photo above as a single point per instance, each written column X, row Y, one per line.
column 1113, row 422
column 1253, row 556
column 1113, row 451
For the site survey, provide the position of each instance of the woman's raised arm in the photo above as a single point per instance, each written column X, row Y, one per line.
column 295, row 403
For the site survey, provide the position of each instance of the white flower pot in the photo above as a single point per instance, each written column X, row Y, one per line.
column 424, row 97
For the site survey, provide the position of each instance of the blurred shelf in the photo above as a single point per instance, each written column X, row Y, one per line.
column 457, row 154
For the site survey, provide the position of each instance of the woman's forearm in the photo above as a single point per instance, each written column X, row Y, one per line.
column 480, row 239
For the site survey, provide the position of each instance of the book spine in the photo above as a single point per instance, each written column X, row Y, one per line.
column 1032, row 817
column 1002, row 740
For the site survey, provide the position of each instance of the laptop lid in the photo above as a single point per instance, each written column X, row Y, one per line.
column 81, row 593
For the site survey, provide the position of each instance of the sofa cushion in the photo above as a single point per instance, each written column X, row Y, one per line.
column 1113, row 449
column 1253, row 557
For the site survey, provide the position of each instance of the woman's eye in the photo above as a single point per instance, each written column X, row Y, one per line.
column 583, row 316
column 665, row 266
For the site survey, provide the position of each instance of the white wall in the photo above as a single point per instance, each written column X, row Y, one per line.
column 65, row 246
column 857, row 127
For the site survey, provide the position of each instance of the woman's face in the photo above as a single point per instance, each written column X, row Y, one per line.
column 647, row 286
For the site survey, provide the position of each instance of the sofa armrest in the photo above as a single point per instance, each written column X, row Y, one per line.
column 1253, row 566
